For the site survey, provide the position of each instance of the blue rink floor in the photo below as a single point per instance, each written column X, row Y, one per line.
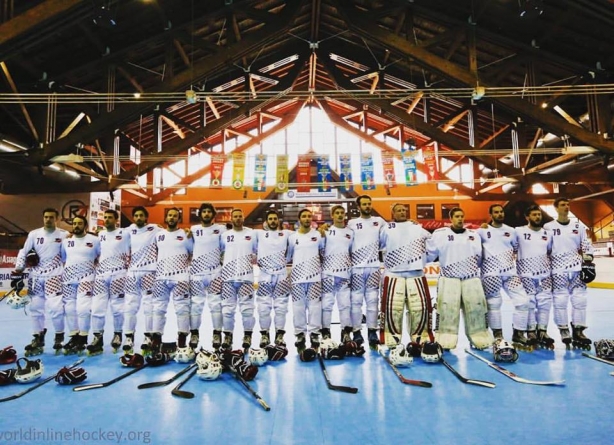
column 304, row 411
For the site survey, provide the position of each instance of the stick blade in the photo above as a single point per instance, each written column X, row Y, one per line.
column 481, row 383
column 152, row 385
column 347, row 389
column 86, row 387
column 182, row 394
column 264, row 405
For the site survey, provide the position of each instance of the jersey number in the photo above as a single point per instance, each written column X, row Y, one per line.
column 40, row 240
column 527, row 236
column 450, row 237
column 230, row 238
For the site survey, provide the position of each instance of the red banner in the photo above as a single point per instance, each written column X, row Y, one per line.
column 389, row 177
column 430, row 161
column 217, row 170
column 303, row 173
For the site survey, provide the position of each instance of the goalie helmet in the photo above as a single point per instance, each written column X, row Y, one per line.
column 432, row 352
column 588, row 273
column 28, row 370
column 258, row 357
column 503, row 351
column 16, row 301
column 604, row 349
column 209, row 365
column 184, row 355
column 400, row 357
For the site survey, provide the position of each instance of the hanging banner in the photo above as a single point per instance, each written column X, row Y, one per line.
column 388, row 165
column 430, row 161
column 366, row 171
column 217, row 170
column 411, row 170
column 324, row 175
column 345, row 172
column 282, row 174
column 238, row 170
column 260, row 173
column 303, row 173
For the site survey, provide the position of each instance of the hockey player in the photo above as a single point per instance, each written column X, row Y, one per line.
column 460, row 255
column 404, row 247
column 205, row 278
column 336, row 272
column 533, row 265
column 499, row 242
column 79, row 253
column 44, row 280
column 239, row 249
column 273, row 282
column 110, row 282
column 304, row 249
column 175, row 248
column 570, row 248
column 365, row 278
column 140, row 277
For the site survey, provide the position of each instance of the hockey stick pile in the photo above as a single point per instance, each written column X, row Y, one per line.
column 167, row 381
column 465, row 379
column 348, row 389
column 513, row 376
column 110, row 382
column 177, row 389
column 400, row 376
column 39, row 384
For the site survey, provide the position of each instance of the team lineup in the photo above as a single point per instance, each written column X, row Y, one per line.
column 76, row 277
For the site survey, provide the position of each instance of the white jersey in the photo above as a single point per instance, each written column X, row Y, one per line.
column 365, row 248
column 337, row 260
column 174, row 250
column 498, row 246
column 534, row 247
column 114, row 252
column 239, row 248
column 79, row 256
column 47, row 246
column 207, row 256
column 569, row 242
column 304, row 251
column 143, row 250
column 404, row 246
column 272, row 247
column 460, row 254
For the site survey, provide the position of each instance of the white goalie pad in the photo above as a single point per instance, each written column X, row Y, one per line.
column 392, row 306
column 448, row 311
column 474, row 311
column 419, row 313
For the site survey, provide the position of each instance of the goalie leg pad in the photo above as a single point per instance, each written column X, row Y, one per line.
column 474, row 311
column 393, row 305
column 419, row 311
column 448, row 311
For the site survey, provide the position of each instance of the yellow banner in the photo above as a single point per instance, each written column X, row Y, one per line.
column 282, row 174
column 238, row 170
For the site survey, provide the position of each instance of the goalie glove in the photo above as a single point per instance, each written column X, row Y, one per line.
column 588, row 273
column 132, row 360
column 276, row 352
column 70, row 376
column 8, row 355
column 17, row 281
column 32, row 258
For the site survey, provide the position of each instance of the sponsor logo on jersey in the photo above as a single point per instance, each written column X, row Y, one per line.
column 471, row 238
column 248, row 238
column 134, row 231
column 575, row 232
column 507, row 234
column 179, row 238
column 216, row 232
column 150, row 228
column 348, row 236
column 280, row 233
column 118, row 237
column 314, row 239
column 375, row 223
column 89, row 244
column 545, row 238
column 58, row 240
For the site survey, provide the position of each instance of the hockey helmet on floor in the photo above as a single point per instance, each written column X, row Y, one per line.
column 503, row 351
column 70, row 376
column 588, row 272
column 330, row 350
column 258, row 357
column 16, row 301
column 604, row 349
column 400, row 357
column 28, row 370
column 432, row 352
column 184, row 355
column 209, row 365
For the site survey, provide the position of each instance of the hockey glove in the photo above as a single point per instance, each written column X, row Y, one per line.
column 276, row 352
column 66, row 376
column 132, row 360
column 8, row 355
column 8, row 376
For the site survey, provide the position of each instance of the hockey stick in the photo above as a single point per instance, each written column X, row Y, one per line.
column 39, row 384
column 250, row 389
column 167, row 381
column 465, row 379
column 110, row 382
column 599, row 359
column 332, row 387
column 184, row 394
column 400, row 376
column 513, row 376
